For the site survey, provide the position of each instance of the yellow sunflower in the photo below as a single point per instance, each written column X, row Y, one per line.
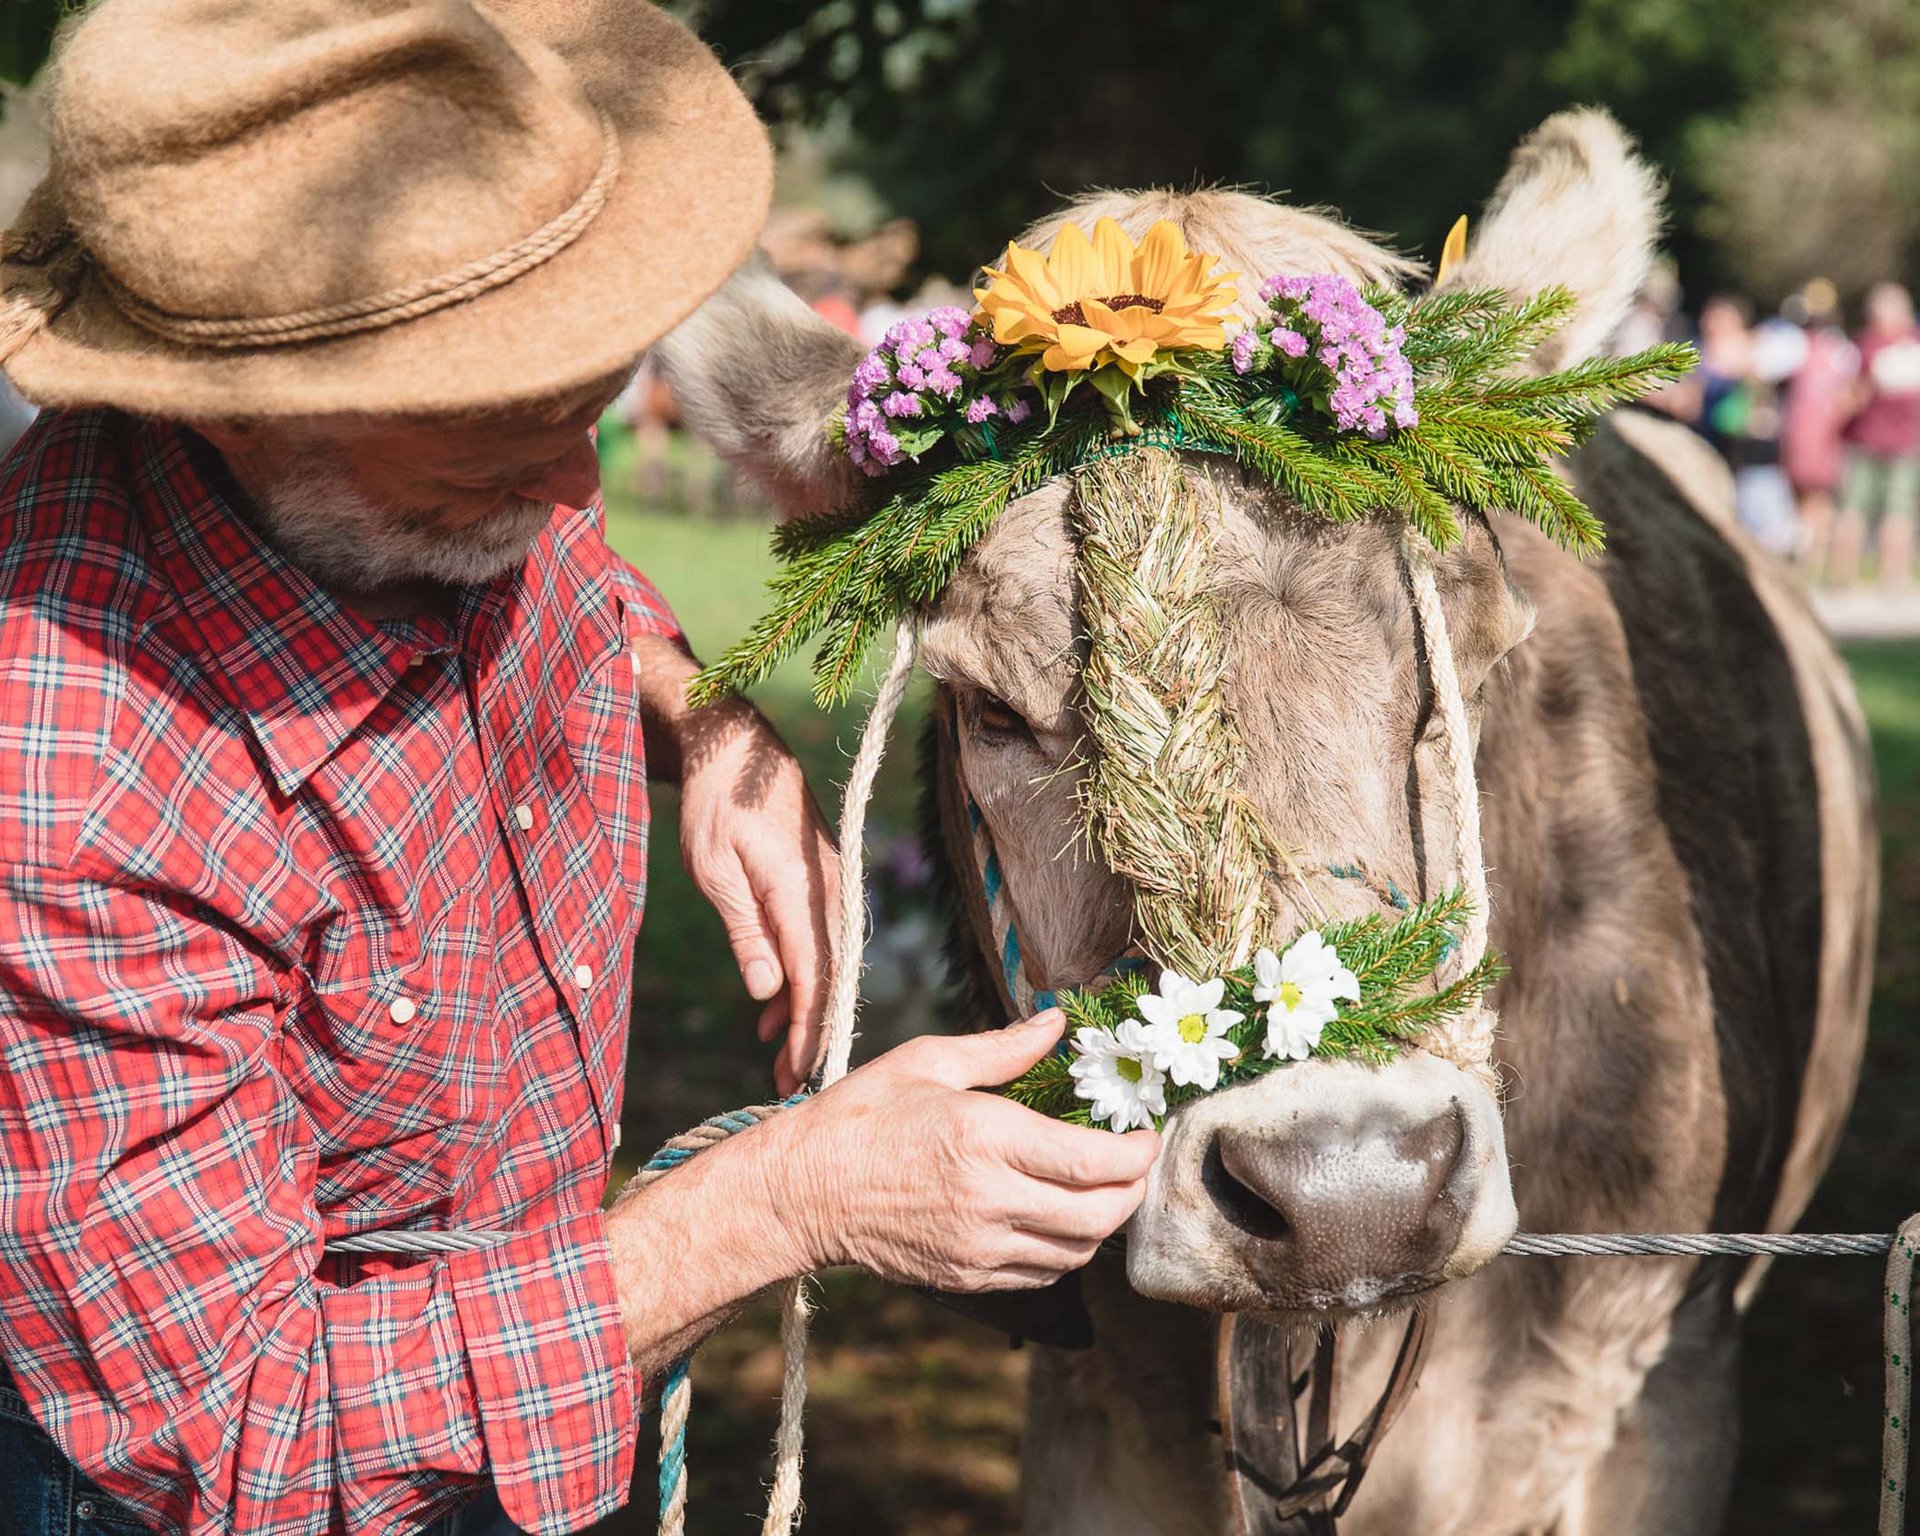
column 1088, row 303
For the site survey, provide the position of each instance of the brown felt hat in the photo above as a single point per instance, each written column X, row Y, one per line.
column 323, row 207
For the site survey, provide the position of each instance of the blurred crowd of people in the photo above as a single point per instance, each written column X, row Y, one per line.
column 1820, row 426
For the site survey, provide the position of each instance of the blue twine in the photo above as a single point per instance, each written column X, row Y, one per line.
column 673, row 1458
column 1356, row 872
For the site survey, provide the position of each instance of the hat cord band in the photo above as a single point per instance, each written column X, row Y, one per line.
column 423, row 297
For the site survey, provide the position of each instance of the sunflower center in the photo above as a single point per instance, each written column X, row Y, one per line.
column 1128, row 1068
column 1193, row 1029
column 1289, row 995
column 1073, row 314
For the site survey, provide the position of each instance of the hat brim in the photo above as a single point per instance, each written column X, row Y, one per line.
column 691, row 197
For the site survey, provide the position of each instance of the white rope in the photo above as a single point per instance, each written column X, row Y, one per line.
column 843, row 1001
column 1467, row 1041
column 843, row 997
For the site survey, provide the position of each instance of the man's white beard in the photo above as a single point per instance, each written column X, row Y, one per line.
column 318, row 520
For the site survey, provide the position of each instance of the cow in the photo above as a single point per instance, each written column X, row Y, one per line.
column 1678, row 825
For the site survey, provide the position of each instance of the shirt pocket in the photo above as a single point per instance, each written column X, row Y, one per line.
column 399, row 1070
column 607, row 751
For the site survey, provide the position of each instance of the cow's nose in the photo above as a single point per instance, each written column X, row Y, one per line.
column 1342, row 1211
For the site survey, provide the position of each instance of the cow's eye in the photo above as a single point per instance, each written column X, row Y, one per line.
column 999, row 718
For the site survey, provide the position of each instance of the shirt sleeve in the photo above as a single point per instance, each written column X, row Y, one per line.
column 647, row 610
column 160, row 1249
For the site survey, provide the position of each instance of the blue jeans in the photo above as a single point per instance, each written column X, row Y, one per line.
column 44, row 1494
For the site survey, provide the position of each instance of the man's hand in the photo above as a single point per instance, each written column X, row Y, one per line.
column 899, row 1168
column 755, row 844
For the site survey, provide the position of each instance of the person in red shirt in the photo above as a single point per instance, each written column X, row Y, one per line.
column 325, row 722
column 1880, row 499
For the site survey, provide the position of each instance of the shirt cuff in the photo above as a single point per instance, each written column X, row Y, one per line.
column 556, row 1389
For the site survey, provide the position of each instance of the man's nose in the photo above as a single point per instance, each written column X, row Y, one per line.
column 1349, row 1209
column 569, row 481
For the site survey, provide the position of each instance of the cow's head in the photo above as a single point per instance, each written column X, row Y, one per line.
column 1327, row 1186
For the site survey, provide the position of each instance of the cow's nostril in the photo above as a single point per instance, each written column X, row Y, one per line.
column 1239, row 1204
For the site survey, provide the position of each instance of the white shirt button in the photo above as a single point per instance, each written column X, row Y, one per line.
column 402, row 1010
column 583, row 976
column 523, row 814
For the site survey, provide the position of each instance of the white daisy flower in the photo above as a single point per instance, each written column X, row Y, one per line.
column 1114, row 1071
column 1303, row 987
column 1186, row 1028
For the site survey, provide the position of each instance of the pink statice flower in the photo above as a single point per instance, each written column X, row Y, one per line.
column 1371, row 384
column 871, row 376
column 924, row 380
column 1243, row 346
column 1019, row 409
column 950, row 321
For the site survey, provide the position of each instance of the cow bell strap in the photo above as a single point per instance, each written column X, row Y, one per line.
column 1279, row 1410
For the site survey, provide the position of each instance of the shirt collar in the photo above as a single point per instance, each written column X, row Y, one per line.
column 304, row 669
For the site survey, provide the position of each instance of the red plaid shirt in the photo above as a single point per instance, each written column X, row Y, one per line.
column 308, row 926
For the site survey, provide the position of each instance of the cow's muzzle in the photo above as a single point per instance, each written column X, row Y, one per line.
column 1325, row 1188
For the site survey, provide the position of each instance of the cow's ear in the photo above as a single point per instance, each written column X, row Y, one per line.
column 1576, row 207
column 757, row 374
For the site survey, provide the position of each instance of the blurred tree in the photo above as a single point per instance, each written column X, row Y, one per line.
column 26, row 28
column 1820, row 174
column 965, row 113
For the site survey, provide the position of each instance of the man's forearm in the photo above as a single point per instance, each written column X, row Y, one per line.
column 679, row 736
column 689, row 1248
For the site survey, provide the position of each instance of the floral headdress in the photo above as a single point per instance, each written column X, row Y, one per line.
column 1351, row 403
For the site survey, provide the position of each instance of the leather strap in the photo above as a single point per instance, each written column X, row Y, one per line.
column 1279, row 1413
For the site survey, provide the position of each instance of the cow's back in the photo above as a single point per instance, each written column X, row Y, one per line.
column 1761, row 784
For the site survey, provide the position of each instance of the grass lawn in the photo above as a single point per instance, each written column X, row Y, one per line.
column 914, row 1423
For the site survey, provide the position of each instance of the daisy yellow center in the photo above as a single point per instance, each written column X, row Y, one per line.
column 1193, row 1029
column 1289, row 995
column 1128, row 1068
column 1073, row 314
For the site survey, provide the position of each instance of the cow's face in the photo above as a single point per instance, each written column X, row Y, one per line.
column 1324, row 1186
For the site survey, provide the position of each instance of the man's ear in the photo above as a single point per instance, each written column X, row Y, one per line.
column 756, row 374
column 1576, row 207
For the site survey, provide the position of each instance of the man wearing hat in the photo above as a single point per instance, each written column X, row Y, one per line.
column 325, row 715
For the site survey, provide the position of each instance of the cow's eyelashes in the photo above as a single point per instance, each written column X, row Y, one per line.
column 996, row 717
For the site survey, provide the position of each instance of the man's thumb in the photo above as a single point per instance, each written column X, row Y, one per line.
column 996, row 1056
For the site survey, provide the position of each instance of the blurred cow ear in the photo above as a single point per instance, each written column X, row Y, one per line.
column 1576, row 207
column 756, row 374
